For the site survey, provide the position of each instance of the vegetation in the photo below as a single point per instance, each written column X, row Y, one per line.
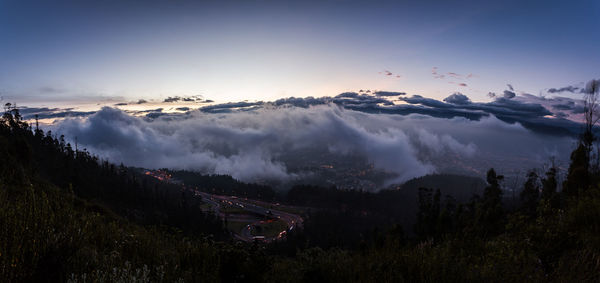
column 66, row 215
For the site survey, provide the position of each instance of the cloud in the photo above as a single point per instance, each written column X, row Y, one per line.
column 348, row 95
column 530, row 112
column 462, row 84
column 284, row 143
column 51, row 113
column 227, row 107
column 436, row 75
column 570, row 88
column 244, row 145
column 441, row 144
column 509, row 94
column 571, row 105
column 510, row 87
column 283, row 139
column 141, row 101
column 457, row 98
column 193, row 98
column 586, row 88
column 389, row 93
column 172, row 99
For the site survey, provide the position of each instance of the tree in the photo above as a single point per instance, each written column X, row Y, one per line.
column 549, row 187
column 578, row 176
column 428, row 214
column 591, row 114
column 530, row 193
column 490, row 214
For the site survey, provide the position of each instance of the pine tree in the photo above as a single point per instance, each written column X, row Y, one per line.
column 530, row 194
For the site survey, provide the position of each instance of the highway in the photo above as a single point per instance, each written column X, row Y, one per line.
column 216, row 201
column 252, row 206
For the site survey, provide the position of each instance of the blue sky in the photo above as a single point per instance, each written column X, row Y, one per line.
column 74, row 51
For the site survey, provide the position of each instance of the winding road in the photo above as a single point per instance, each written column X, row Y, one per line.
column 216, row 201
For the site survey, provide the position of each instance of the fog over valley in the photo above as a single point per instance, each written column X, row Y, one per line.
column 353, row 140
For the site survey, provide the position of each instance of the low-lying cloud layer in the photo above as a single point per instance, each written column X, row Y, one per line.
column 401, row 136
column 265, row 143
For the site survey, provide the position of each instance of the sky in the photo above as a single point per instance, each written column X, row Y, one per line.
column 76, row 52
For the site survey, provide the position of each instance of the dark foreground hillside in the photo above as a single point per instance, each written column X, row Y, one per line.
column 67, row 216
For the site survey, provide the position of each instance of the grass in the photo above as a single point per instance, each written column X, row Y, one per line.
column 206, row 206
column 233, row 210
column 236, row 226
column 285, row 208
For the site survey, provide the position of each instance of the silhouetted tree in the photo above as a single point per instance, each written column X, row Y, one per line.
column 578, row 176
column 490, row 215
column 550, row 187
column 530, row 193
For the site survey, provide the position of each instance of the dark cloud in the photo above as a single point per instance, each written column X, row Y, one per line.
column 389, row 93
column 353, row 98
column 531, row 115
column 51, row 113
column 228, row 107
column 565, row 106
column 571, row 107
column 149, row 111
column 183, row 108
column 193, row 98
column 510, row 87
column 457, row 98
column 417, row 99
column 527, row 110
column 172, row 99
column 570, row 88
column 574, row 106
column 141, row 101
column 302, row 102
column 462, row 84
column 121, row 104
column 36, row 110
column 509, row 94
column 348, row 94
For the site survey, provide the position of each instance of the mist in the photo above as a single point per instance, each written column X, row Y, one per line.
column 282, row 144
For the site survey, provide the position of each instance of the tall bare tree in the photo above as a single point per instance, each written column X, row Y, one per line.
column 591, row 112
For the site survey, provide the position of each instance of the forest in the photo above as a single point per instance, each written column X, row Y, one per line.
column 67, row 215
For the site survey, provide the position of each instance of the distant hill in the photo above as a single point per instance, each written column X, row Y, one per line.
column 462, row 188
